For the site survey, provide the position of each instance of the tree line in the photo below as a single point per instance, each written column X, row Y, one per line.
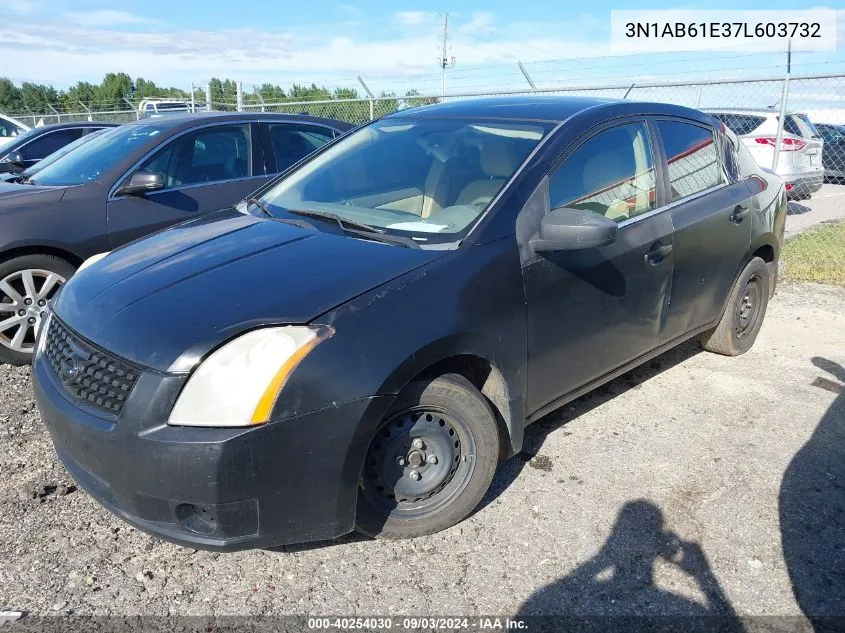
column 118, row 91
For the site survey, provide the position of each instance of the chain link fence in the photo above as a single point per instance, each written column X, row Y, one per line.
column 795, row 125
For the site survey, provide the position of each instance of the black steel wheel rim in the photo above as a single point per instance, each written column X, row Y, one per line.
column 748, row 306
column 420, row 460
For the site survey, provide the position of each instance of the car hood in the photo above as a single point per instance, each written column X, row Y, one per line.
column 165, row 301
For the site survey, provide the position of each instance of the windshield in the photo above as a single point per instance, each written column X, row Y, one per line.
column 425, row 178
column 93, row 159
column 52, row 158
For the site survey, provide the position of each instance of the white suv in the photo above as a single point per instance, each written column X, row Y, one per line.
column 10, row 129
column 800, row 159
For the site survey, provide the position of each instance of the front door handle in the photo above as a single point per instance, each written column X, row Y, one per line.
column 657, row 254
column 738, row 214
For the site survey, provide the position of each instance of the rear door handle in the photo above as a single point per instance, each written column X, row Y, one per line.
column 657, row 253
column 738, row 214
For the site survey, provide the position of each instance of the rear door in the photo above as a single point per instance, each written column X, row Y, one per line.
column 204, row 170
column 710, row 213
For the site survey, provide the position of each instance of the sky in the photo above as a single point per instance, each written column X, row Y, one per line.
column 392, row 44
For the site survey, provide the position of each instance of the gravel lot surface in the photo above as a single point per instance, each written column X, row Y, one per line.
column 658, row 493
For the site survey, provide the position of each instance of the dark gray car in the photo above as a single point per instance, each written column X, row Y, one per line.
column 38, row 143
column 125, row 184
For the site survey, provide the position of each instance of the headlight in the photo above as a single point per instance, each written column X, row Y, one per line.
column 237, row 385
column 91, row 260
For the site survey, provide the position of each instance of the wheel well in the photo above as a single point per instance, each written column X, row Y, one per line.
column 41, row 250
column 487, row 378
column 766, row 253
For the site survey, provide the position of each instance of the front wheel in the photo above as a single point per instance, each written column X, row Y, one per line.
column 430, row 462
column 743, row 317
column 27, row 283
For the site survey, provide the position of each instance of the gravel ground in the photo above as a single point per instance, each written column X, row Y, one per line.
column 658, row 493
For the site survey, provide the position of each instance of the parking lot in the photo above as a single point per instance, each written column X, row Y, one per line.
column 695, row 484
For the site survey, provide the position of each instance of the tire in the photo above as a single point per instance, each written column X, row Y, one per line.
column 455, row 457
column 744, row 312
column 16, row 348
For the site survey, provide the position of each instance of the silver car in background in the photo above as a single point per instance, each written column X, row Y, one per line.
column 800, row 158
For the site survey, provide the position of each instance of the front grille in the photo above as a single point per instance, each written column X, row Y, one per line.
column 88, row 374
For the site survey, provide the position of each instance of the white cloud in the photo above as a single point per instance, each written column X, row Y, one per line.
column 412, row 18
column 106, row 17
column 348, row 8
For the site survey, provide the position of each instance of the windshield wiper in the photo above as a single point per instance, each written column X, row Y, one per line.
column 262, row 206
column 353, row 227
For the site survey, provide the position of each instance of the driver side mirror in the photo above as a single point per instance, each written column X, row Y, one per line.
column 14, row 158
column 141, row 182
column 566, row 229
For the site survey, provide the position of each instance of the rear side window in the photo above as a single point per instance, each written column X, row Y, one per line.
column 291, row 143
column 729, row 158
column 692, row 156
column 48, row 143
column 740, row 124
column 800, row 125
column 611, row 174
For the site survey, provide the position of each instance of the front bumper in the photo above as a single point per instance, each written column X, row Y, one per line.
column 284, row 482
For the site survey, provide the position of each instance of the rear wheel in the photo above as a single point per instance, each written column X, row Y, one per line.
column 431, row 461
column 27, row 283
column 743, row 317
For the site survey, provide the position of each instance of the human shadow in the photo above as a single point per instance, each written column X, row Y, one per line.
column 616, row 589
column 536, row 433
column 812, row 512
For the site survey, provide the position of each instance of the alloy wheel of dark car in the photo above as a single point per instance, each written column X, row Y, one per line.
column 430, row 461
column 26, row 286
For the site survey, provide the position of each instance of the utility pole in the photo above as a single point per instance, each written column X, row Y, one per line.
column 446, row 60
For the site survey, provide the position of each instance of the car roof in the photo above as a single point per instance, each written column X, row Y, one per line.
column 544, row 108
column 186, row 121
column 74, row 124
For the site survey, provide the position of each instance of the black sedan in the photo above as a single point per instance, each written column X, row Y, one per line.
column 125, row 184
column 358, row 345
column 35, row 145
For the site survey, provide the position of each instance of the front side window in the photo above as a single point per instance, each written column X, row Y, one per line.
column 291, row 143
column 48, row 143
column 92, row 160
column 208, row 155
column 429, row 179
column 611, row 174
column 692, row 156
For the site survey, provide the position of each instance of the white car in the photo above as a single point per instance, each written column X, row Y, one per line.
column 10, row 129
column 800, row 158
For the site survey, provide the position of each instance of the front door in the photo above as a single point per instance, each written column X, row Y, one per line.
column 591, row 311
column 204, row 170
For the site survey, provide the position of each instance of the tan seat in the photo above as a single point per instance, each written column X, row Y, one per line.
column 497, row 163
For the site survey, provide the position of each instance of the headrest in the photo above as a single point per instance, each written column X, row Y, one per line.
column 497, row 160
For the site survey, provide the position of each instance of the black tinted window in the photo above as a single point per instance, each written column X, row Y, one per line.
column 291, row 143
column 692, row 156
column 48, row 143
column 611, row 174
column 208, row 155
column 740, row 123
